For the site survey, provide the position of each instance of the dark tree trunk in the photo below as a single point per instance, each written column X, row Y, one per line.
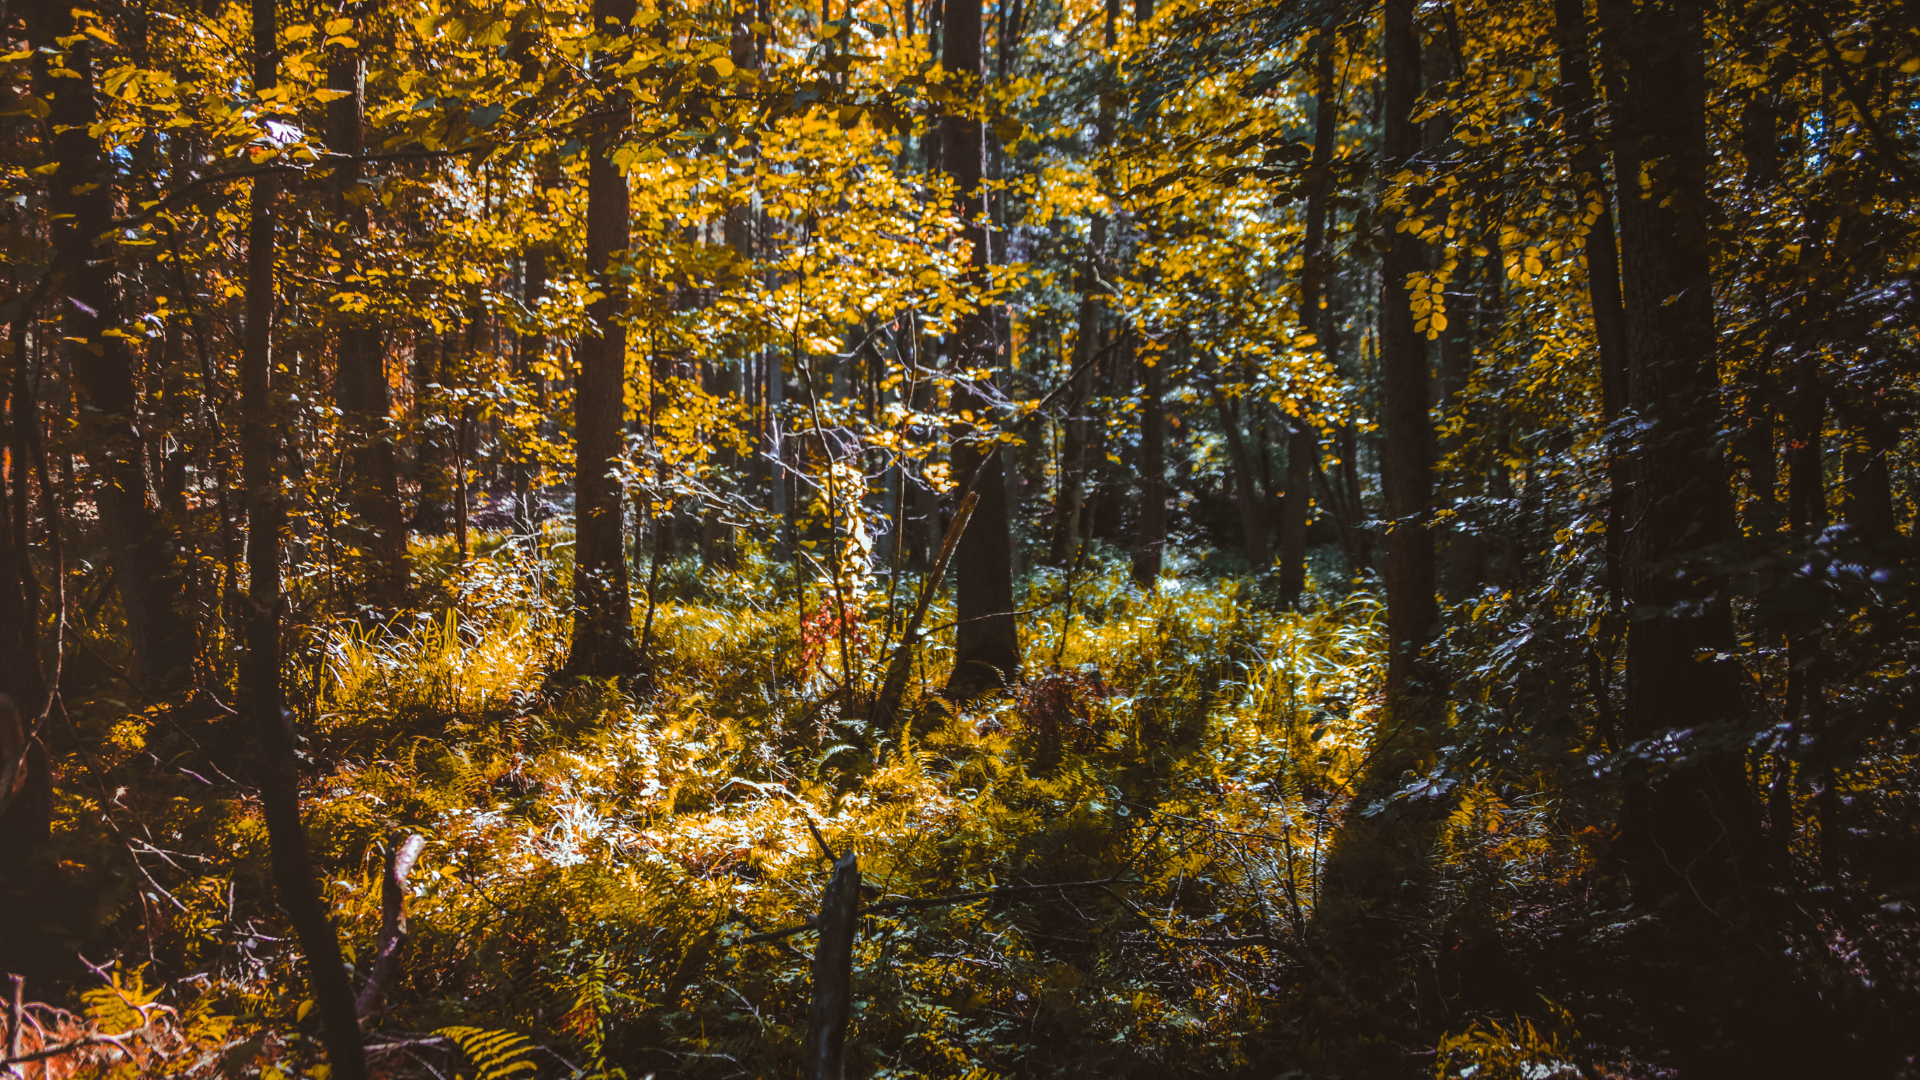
column 266, row 519
column 378, row 532
column 529, row 348
column 1577, row 103
column 87, row 288
column 1303, row 442
column 26, row 775
column 1149, row 554
column 721, row 548
column 1378, row 872
column 602, row 644
column 1406, row 466
column 1690, row 831
column 1868, row 465
column 1069, row 507
column 1248, row 498
column 435, row 482
column 987, row 643
column 1077, row 445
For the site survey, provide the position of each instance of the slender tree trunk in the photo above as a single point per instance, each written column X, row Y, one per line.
column 266, row 519
column 1869, row 469
column 1378, row 872
column 602, row 644
column 729, row 381
column 987, row 643
column 1068, row 526
column 1303, row 442
column 429, row 444
column 378, row 533
column 26, row 777
column 1149, row 554
column 1690, row 831
column 1577, row 104
column 1069, row 514
column 1249, row 499
column 529, row 348
column 1406, row 467
column 87, row 276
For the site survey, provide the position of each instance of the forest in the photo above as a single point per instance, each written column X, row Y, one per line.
column 1270, row 539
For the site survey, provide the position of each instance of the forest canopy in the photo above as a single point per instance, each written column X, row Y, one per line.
column 1249, row 538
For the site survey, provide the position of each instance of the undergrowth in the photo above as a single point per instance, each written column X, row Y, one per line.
column 597, row 856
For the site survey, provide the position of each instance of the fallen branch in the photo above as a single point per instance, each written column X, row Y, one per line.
column 900, row 665
column 393, row 923
column 824, row 1056
column 80, row 1043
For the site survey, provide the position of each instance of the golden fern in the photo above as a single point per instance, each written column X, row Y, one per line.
column 496, row 1054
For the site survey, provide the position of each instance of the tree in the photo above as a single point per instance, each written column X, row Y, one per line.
column 261, row 441
column 987, row 644
column 378, row 532
column 1689, row 832
column 1406, row 466
column 87, row 287
column 1303, row 442
column 602, row 645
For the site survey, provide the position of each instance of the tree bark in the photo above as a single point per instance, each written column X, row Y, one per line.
column 378, row 530
column 1377, row 877
column 1068, row 524
column 602, row 644
column 26, row 773
column 1303, row 442
column 1149, row 553
column 1249, row 499
column 1577, row 104
column 87, row 285
column 266, row 518
column 1690, row 830
column 1406, row 466
column 987, row 643
column 824, row 1057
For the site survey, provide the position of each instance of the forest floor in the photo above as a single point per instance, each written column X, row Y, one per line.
column 596, row 859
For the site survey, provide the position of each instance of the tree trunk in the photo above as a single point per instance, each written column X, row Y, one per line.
column 87, row 282
column 602, row 645
column 1303, row 442
column 1149, row 554
column 435, row 484
column 1378, row 872
column 1689, row 831
column 26, row 775
column 529, row 348
column 987, row 643
column 378, row 533
column 1869, row 491
column 1069, row 507
column 1406, row 466
column 266, row 518
column 1249, row 499
column 1576, row 101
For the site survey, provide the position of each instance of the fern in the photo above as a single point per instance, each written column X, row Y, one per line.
column 122, row 1006
column 496, row 1054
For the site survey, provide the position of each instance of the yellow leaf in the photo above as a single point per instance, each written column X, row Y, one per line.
column 305, row 1008
column 722, row 65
